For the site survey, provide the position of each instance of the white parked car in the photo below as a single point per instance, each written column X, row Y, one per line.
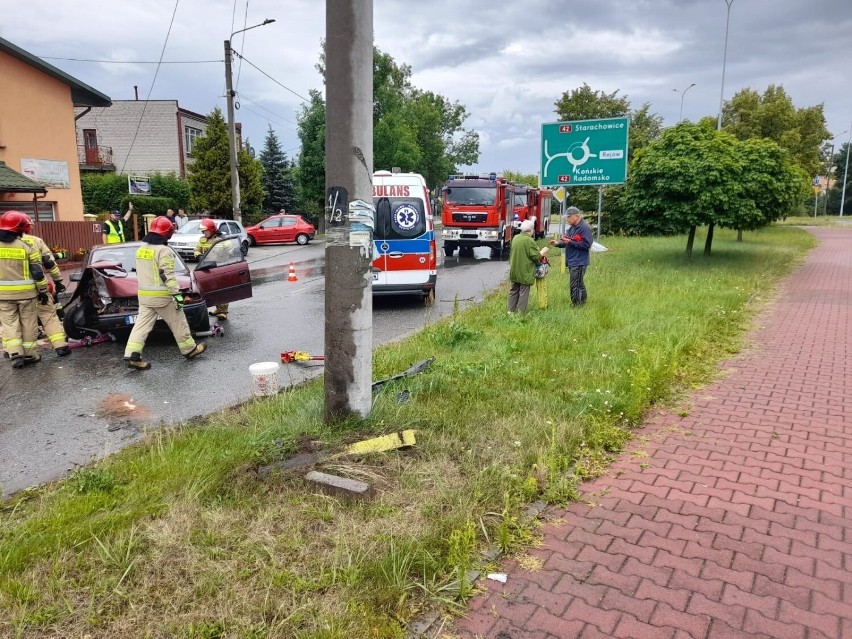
column 186, row 238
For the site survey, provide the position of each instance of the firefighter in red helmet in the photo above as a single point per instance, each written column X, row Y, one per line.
column 47, row 312
column 159, row 296
column 223, row 251
column 22, row 286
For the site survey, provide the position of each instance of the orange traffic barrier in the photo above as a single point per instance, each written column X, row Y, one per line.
column 291, row 276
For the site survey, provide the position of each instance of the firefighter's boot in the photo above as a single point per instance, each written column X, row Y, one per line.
column 195, row 352
column 18, row 361
column 62, row 351
column 136, row 362
column 32, row 359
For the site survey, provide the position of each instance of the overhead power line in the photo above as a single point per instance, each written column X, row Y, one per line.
column 48, row 57
column 242, row 44
column 267, row 118
column 156, row 71
column 282, row 85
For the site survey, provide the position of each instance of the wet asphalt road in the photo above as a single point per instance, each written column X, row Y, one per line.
column 63, row 413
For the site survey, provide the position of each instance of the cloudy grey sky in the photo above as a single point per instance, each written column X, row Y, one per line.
column 506, row 61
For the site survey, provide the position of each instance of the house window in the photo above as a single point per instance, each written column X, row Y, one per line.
column 190, row 134
column 45, row 209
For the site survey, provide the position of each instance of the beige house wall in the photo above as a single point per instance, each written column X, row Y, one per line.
column 37, row 122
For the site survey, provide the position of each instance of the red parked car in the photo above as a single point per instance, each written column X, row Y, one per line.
column 278, row 229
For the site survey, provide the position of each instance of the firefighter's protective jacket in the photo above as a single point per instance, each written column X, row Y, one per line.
column 48, row 261
column 21, row 275
column 155, row 274
column 224, row 247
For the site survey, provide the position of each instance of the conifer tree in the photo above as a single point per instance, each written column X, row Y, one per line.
column 279, row 192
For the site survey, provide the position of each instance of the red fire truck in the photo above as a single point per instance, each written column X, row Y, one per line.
column 477, row 211
column 532, row 204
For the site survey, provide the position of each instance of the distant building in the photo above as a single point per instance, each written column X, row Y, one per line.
column 38, row 148
column 139, row 137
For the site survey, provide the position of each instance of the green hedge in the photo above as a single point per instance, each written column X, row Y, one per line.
column 104, row 192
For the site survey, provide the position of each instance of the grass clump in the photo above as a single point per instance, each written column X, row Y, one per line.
column 178, row 537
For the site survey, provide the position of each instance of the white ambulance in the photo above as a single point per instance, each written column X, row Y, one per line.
column 404, row 254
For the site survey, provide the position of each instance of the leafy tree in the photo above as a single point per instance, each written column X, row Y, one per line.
column 836, row 191
column 585, row 104
column 771, row 182
column 773, row 115
column 531, row 179
column 251, row 184
column 210, row 174
column 395, row 144
column 279, row 192
column 414, row 130
column 645, row 127
column 444, row 145
column 689, row 178
column 310, row 174
column 695, row 175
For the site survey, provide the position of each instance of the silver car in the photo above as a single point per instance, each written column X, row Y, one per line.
column 186, row 238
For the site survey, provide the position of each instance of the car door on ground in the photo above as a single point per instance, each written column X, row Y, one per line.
column 223, row 274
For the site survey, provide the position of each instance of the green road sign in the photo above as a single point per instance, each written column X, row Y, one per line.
column 584, row 153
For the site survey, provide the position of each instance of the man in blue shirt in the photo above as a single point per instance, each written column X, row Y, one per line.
column 576, row 242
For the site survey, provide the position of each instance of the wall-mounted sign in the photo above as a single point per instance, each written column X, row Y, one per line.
column 50, row 173
column 138, row 185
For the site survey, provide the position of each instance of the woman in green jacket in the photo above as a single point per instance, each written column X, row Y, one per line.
column 523, row 258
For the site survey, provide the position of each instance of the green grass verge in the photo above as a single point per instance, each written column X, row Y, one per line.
column 820, row 220
column 177, row 536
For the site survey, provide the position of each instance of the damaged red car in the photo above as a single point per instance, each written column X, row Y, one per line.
column 106, row 297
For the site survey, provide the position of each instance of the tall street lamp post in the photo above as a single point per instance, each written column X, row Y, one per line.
column 232, row 127
column 845, row 173
column 828, row 172
column 682, row 95
column 724, row 62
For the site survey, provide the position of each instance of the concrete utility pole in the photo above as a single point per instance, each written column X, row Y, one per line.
column 232, row 136
column 348, row 208
column 232, row 125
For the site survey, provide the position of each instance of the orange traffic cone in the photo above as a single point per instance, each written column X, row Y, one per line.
column 291, row 276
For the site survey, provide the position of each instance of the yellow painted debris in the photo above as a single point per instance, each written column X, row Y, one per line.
column 382, row 444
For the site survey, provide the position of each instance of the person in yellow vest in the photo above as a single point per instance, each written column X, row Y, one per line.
column 47, row 312
column 115, row 228
column 223, row 250
column 159, row 296
column 22, row 286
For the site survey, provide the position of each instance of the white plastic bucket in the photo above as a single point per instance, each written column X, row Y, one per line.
column 264, row 377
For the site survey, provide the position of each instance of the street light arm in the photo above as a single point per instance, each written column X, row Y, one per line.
column 682, row 96
column 262, row 24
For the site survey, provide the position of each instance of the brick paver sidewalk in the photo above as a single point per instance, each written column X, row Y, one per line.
column 738, row 523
